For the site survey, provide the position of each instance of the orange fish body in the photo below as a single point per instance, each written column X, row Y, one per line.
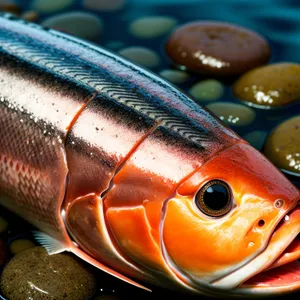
column 119, row 167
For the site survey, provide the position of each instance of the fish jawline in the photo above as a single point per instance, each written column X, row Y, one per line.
column 283, row 275
column 259, row 275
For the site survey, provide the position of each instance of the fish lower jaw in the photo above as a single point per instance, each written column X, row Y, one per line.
column 283, row 275
column 277, row 269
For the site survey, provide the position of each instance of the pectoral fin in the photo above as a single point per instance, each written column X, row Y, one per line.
column 52, row 245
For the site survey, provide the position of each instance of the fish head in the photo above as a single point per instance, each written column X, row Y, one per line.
column 232, row 226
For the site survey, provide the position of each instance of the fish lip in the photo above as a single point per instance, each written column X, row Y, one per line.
column 265, row 258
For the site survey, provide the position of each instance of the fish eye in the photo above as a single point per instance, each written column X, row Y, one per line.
column 214, row 198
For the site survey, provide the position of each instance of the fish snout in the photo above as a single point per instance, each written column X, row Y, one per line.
column 266, row 223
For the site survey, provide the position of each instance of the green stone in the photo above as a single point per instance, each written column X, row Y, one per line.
column 233, row 114
column 207, row 90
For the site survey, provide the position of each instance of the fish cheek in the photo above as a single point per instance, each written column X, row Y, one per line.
column 204, row 247
column 133, row 234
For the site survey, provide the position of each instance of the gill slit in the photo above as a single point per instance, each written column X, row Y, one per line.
column 126, row 259
column 81, row 109
column 127, row 157
column 69, row 242
column 110, row 185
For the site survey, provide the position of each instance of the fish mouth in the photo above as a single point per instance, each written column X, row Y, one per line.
column 274, row 270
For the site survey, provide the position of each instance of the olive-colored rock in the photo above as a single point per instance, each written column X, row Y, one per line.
column 151, row 26
column 175, row 76
column 33, row 274
column 274, row 85
column 20, row 245
column 233, row 114
column 103, row 5
column 207, row 90
column 50, row 6
column 217, row 48
column 81, row 24
column 282, row 146
column 141, row 55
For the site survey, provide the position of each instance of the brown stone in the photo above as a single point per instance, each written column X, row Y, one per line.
column 10, row 8
column 217, row 48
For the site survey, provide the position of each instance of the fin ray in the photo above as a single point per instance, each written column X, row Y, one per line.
column 52, row 245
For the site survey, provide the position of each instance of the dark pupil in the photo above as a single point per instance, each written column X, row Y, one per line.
column 216, row 197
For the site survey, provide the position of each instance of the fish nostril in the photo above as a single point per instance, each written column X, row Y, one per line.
column 261, row 223
column 278, row 203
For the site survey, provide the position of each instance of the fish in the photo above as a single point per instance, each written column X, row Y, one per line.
column 119, row 167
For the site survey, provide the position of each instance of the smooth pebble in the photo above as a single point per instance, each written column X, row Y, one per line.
column 103, row 5
column 152, row 26
column 217, row 48
column 233, row 114
column 20, row 245
column 256, row 138
column 274, row 85
column 207, row 90
column 3, row 225
column 175, row 76
column 30, row 15
column 282, row 146
column 50, row 6
column 142, row 56
column 38, row 275
column 81, row 24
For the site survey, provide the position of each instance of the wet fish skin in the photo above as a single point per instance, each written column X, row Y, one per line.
column 94, row 150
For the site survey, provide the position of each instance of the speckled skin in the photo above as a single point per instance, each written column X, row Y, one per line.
column 99, row 151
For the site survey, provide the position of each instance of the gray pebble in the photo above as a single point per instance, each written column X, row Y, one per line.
column 175, row 76
column 151, row 26
column 142, row 56
column 80, row 24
